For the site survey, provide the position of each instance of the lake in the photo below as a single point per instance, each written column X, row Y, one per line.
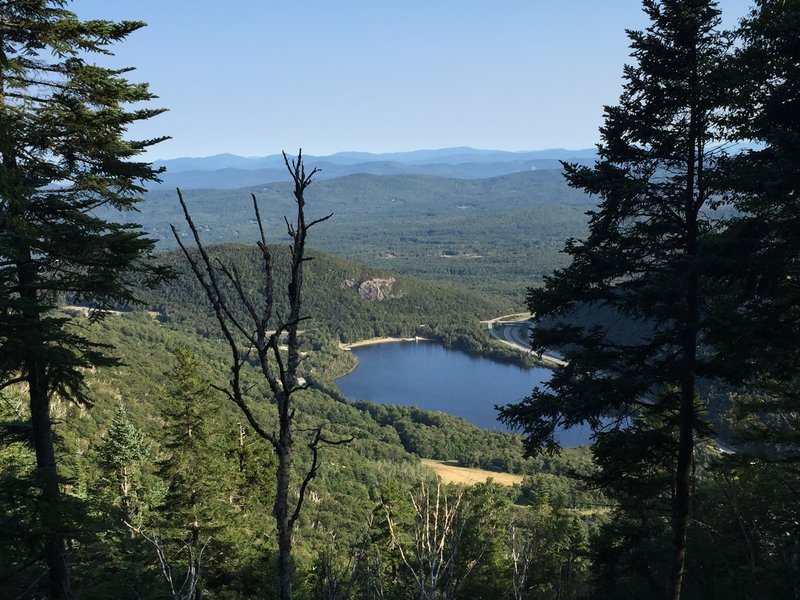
column 432, row 377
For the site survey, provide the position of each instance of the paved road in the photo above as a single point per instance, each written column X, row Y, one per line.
column 515, row 332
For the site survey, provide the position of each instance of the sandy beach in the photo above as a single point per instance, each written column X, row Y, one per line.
column 382, row 340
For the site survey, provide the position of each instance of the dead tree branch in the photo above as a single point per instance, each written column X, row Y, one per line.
column 251, row 325
column 194, row 561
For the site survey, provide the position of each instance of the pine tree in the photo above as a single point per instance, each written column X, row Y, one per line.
column 62, row 157
column 121, row 456
column 124, row 496
column 17, row 492
column 196, row 471
column 629, row 312
column 763, row 183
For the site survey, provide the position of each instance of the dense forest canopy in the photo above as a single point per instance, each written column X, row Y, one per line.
column 493, row 235
column 127, row 472
column 691, row 280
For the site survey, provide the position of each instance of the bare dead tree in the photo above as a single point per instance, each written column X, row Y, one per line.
column 431, row 552
column 257, row 334
column 187, row 590
column 521, row 549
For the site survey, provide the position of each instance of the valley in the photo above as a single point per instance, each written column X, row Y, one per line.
column 496, row 236
column 418, row 265
column 283, row 377
column 393, row 445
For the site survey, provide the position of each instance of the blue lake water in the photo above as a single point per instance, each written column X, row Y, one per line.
column 429, row 376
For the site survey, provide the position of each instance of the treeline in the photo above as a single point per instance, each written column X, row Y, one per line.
column 163, row 472
column 494, row 236
column 338, row 301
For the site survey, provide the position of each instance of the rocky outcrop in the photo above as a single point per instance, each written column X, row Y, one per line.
column 376, row 290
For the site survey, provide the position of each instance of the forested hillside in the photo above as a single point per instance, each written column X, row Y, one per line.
column 131, row 475
column 345, row 301
column 170, row 421
column 493, row 235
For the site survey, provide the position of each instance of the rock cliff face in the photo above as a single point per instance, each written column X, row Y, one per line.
column 376, row 290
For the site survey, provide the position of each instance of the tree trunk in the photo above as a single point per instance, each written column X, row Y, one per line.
column 686, row 415
column 686, row 421
column 681, row 502
column 283, row 523
column 41, row 428
column 283, row 382
column 47, row 475
column 42, row 438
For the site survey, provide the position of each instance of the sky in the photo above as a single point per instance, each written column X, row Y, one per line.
column 254, row 77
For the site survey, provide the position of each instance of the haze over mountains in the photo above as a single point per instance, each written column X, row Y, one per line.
column 486, row 220
column 226, row 171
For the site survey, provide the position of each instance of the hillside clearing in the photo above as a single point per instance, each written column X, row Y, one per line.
column 451, row 473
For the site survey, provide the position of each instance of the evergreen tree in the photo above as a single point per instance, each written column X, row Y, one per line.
column 199, row 478
column 764, row 185
column 17, row 493
column 125, row 495
column 62, row 157
column 121, row 456
column 629, row 313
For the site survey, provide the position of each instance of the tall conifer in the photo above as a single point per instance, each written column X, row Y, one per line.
column 196, row 470
column 629, row 312
column 62, row 158
column 763, row 240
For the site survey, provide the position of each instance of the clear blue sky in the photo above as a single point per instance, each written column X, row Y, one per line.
column 252, row 77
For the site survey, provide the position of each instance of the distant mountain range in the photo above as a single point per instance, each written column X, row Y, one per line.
column 228, row 171
column 495, row 235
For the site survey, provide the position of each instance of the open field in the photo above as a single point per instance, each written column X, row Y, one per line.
column 453, row 474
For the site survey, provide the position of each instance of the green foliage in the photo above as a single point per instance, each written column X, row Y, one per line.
column 62, row 157
column 123, row 495
column 122, row 457
column 237, row 562
column 443, row 542
column 161, row 452
column 450, row 542
column 747, row 540
column 485, row 235
column 197, row 500
column 646, row 262
column 548, row 554
column 562, row 521
column 761, row 265
column 642, row 252
column 19, row 531
column 336, row 310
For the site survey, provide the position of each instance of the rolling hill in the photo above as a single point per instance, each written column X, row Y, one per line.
column 495, row 235
column 227, row 171
column 345, row 301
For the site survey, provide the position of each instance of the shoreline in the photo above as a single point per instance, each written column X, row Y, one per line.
column 546, row 360
column 382, row 340
column 374, row 342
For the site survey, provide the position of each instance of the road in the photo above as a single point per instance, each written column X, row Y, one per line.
column 515, row 332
